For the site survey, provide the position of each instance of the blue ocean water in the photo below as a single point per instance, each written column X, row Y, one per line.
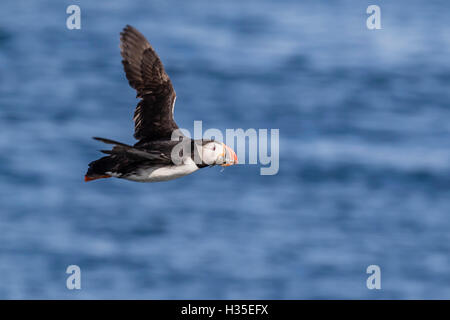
column 364, row 173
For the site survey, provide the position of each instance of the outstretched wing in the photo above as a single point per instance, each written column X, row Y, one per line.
column 153, row 118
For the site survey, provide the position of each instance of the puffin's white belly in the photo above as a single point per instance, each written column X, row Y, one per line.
column 164, row 173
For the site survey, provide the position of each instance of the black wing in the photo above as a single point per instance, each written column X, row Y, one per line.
column 153, row 118
column 156, row 155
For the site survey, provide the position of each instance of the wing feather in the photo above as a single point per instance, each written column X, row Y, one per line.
column 145, row 72
column 138, row 153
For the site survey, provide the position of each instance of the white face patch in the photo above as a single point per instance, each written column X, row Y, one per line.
column 213, row 153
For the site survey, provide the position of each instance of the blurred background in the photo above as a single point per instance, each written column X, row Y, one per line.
column 364, row 151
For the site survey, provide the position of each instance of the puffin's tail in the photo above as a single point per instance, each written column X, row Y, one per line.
column 120, row 154
column 98, row 169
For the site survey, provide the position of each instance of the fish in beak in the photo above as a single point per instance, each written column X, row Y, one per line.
column 229, row 156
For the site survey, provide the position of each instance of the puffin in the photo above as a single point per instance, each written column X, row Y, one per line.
column 161, row 152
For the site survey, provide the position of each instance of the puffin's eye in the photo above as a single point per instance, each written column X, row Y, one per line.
column 214, row 148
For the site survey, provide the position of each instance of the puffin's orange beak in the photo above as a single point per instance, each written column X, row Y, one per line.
column 230, row 157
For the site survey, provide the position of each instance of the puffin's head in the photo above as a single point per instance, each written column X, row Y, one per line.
column 217, row 153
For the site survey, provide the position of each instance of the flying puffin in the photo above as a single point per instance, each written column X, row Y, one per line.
column 157, row 156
